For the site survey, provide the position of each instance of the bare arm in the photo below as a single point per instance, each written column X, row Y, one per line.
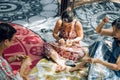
column 24, row 72
column 25, row 67
column 79, row 31
column 18, row 57
column 56, row 29
column 101, row 30
column 115, row 66
column 12, row 59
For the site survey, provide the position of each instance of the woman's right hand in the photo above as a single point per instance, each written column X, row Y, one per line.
column 61, row 41
column 106, row 19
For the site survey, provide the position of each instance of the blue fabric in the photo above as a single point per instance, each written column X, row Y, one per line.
column 114, row 56
column 105, row 50
column 100, row 50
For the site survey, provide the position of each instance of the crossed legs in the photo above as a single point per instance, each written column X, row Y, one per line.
column 58, row 60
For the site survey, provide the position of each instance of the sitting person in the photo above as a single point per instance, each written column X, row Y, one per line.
column 68, row 33
column 7, row 34
column 112, row 65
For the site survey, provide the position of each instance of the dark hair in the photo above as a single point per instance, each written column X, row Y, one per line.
column 67, row 16
column 6, row 31
column 116, row 23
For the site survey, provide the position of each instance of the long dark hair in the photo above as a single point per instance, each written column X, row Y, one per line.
column 67, row 16
column 6, row 31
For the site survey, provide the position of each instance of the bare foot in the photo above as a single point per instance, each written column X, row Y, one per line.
column 60, row 68
column 83, row 72
column 60, row 65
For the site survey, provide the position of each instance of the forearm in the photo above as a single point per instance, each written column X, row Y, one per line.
column 56, row 37
column 110, row 65
column 100, row 26
column 24, row 71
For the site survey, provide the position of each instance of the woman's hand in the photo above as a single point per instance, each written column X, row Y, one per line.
column 16, row 57
column 62, row 41
column 69, row 43
column 20, row 57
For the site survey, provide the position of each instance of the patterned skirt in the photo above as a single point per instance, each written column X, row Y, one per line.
column 74, row 53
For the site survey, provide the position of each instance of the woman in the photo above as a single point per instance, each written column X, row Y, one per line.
column 113, row 63
column 7, row 33
column 68, row 33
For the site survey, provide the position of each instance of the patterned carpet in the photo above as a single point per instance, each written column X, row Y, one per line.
column 40, row 16
column 27, row 11
column 91, row 14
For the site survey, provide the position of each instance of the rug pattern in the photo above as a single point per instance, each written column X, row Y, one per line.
column 27, row 11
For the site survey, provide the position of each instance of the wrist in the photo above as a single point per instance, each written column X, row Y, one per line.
column 100, row 61
column 16, row 57
column 103, row 22
column 12, row 59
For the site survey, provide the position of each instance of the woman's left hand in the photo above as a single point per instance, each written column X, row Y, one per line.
column 20, row 57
